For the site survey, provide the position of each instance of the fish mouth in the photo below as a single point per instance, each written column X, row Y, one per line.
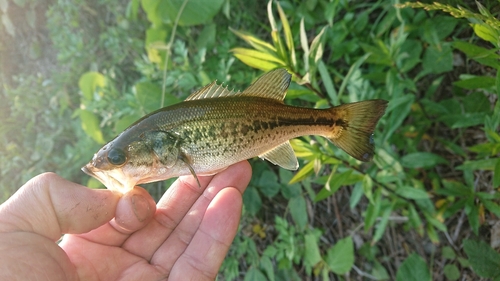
column 87, row 171
column 91, row 171
column 110, row 178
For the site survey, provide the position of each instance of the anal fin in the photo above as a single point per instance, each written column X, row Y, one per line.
column 283, row 156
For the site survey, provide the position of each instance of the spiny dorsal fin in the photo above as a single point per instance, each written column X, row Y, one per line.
column 271, row 85
column 283, row 156
column 210, row 91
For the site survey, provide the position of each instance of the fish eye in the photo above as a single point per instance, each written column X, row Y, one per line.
column 116, row 156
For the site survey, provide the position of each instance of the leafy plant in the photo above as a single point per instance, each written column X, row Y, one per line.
column 437, row 165
column 396, row 186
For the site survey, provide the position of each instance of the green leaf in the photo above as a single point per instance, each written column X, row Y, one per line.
column 496, row 175
column 373, row 210
column 368, row 187
column 268, row 184
column 444, row 26
column 304, row 44
column 413, row 268
column 255, row 42
column 7, row 23
column 90, row 82
column 257, row 63
column 472, row 212
column 477, row 82
column 466, row 120
column 133, row 9
column 415, row 220
column 207, row 36
column 316, row 49
column 486, row 32
column 335, row 181
column 148, row 95
column 482, row 55
column 340, row 257
column 253, row 274
column 152, row 11
column 438, row 60
column 257, row 55
column 398, row 108
column 288, row 35
column 486, row 148
column 422, row 160
column 451, row 272
column 252, row 200
column 327, row 82
column 411, row 50
column 195, row 12
column 435, row 222
column 90, row 124
column 484, row 260
column 483, row 164
column 382, row 224
column 298, row 210
column 155, row 45
column 312, row 254
column 477, row 102
column 432, row 234
column 267, row 265
column 455, row 188
column 492, row 207
column 448, row 253
column 347, row 79
column 356, row 195
column 154, row 35
column 379, row 272
column 497, row 84
column 412, row 192
column 379, row 54
column 303, row 173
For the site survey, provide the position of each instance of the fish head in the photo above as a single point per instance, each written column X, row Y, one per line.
column 123, row 163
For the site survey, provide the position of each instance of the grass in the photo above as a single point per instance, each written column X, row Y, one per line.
column 422, row 210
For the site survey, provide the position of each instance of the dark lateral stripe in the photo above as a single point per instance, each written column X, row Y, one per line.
column 311, row 121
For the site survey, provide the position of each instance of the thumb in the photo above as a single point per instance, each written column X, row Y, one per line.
column 50, row 206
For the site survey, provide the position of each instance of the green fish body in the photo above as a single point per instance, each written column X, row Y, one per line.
column 214, row 128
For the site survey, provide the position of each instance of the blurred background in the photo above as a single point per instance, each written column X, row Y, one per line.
column 74, row 74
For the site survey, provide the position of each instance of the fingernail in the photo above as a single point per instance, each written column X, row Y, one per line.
column 141, row 207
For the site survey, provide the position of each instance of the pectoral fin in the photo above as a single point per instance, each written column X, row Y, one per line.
column 283, row 156
column 185, row 160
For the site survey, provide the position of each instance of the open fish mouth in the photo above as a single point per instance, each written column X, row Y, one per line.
column 110, row 179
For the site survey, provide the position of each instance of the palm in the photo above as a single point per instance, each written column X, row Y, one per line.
column 186, row 238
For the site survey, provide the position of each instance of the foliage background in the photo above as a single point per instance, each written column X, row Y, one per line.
column 76, row 73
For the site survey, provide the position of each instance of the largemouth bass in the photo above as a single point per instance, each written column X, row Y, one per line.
column 214, row 128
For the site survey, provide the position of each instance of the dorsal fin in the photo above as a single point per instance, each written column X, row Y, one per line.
column 211, row 90
column 271, row 85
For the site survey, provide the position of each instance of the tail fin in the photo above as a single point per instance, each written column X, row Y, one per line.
column 354, row 128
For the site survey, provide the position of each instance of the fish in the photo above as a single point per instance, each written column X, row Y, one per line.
column 216, row 127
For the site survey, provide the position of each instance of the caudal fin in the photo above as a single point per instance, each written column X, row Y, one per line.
column 355, row 125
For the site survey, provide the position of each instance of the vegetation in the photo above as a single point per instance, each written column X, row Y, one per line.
column 426, row 208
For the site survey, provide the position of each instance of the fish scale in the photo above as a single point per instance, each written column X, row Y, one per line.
column 215, row 128
column 238, row 127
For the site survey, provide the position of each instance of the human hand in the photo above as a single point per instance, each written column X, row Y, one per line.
column 113, row 237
